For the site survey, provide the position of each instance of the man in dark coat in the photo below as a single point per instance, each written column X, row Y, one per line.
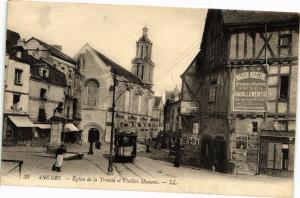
column 178, row 153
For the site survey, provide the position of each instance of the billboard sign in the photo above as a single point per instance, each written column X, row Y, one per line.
column 250, row 89
column 188, row 107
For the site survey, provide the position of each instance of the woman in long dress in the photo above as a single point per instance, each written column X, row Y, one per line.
column 59, row 158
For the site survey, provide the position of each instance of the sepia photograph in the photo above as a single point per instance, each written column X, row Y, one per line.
column 148, row 98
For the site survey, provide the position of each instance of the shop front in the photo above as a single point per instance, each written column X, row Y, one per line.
column 18, row 130
column 277, row 152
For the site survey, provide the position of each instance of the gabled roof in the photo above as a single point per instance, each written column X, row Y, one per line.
column 120, row 71
column 157, row 101
column 55, row 51
column 240, row 17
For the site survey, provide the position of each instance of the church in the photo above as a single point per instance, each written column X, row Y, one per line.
column 134, row 96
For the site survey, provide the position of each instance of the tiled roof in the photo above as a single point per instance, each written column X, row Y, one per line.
column 239, row 17
column 120, row 71
column 55, row 51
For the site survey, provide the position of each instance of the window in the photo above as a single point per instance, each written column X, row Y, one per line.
column 42, row 115
column 44, row 73
column 212, row 92
column 9, row 134
column 195, row 128
column 16, row 100
column 92, row 88
column 43, row 94
column 285, row 40
column 70, row 73
column 284, row 88
column 254, row 127
column 281, row 125
column 18, row 76
column 241, row 142
column 68, row 90
column 68, row 112
column 285, row 156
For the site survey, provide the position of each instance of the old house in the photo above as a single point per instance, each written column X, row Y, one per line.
column 17, row 127
column 60, row 63
column 157, row 116
column 246, row 91
column 53, row 55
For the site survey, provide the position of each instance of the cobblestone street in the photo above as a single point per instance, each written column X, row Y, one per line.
column 38, row 163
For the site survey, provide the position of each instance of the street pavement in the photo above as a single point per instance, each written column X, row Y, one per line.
column 185, row 179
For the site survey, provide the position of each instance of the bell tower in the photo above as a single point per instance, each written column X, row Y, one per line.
column 142, row 65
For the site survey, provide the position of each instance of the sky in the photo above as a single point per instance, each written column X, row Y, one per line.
column 113, row 30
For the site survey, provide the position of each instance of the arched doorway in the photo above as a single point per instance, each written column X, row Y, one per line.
column 93, row 135
column 92, row 127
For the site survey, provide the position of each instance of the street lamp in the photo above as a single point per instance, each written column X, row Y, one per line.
column 114, row 100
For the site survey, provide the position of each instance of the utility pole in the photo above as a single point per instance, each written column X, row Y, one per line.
column 110, row 163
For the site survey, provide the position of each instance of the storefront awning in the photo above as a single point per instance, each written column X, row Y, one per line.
column 70, row 127
column 43, row 126
column 21, row 121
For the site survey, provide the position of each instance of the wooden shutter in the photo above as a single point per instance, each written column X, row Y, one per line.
column 271, row 150
column 278, row 156
column 291, row 157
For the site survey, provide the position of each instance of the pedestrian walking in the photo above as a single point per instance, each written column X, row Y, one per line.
column 59, row 158
column 178, row 153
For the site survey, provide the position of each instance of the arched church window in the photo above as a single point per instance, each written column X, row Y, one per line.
column 92, row 92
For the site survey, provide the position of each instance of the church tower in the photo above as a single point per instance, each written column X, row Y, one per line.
column 142, row 66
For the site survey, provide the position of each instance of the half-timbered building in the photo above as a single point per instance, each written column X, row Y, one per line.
column 246, row 91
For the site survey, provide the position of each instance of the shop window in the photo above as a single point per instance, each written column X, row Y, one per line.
column 284, row 88
column 212, row 92
column 18, row 76
column 241, row 142
column 285, row 156
column 277, row 155
column 285, row 40
column 16, row 101
column 254, row 127
column 43, row 94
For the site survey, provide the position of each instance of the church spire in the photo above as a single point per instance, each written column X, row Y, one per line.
column 142, row 66
column 145, row 31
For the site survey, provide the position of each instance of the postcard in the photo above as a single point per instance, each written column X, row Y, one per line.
column 150, row 98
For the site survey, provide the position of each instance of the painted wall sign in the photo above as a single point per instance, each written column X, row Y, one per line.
column 188, row 107
column 250, row 89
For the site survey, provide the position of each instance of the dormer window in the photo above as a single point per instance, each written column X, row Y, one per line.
column 44, row 73
column 19, row 54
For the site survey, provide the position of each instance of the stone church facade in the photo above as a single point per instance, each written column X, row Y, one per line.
column 134, row 96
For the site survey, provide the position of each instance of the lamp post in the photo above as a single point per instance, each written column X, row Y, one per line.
column 114, row 100
column 110, row 160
